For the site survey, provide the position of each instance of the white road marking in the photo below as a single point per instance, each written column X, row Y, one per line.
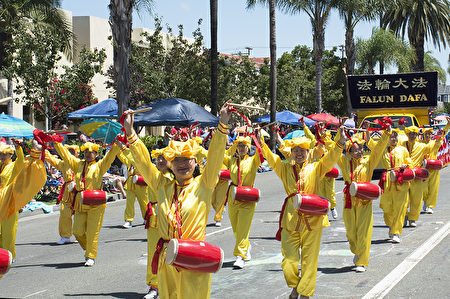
column 35, row 293
column 382, row 288
column 218, row 231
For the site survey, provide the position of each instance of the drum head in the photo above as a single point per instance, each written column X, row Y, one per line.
column 353, row 188
column 221, row 260
column 172, row 251
column 297, row 201
column 135, row 179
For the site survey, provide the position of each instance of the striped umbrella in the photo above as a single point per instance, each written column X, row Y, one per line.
column 11, row 126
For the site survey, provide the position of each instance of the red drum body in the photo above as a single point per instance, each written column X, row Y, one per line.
column 421, row 173
column 139, row 180
column 93, row 197
column 432, row 164
column 5, row 261
column 245, row 194
column 194, row 255
column 333, row 173
column 72, row 186
column 224, row 174
column 408, row 175
column 311, row 204
column 365, row 190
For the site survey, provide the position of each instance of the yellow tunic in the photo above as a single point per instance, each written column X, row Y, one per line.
column 194, row 200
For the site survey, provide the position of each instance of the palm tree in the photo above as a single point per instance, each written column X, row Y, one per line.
column 318, row 12
column 273, row 62
column 214, row 56
column 422, row 20
column 121, row 21
column 41, row 13
column 383, row 47
column 432, row 64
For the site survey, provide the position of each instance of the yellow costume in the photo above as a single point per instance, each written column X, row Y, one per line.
column 417, row 151
column 193, row 205
column 241, row 213
column 219, row 198
column 88, row 176
column 432, row 189
column 300, row 230
column 65, row 216
column 133, row 190
column 394, row 200
column 20, row 181
column 358, row 219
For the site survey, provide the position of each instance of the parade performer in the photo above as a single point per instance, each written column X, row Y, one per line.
column 298, row 230
column 219, row 198
column 65, row 195
column 151, row 222
column 432, row 188
column 357, row 214
column 133, row 190
column 321, row 144
column 88, row 173
column 20, row 181
column 394, row 200
column 418, row 151
column 243, row 169
column 183, row 203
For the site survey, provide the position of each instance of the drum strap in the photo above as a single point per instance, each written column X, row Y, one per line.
column 83, row 180
column 228, row 191
column 177, row 215
column 155, row 260
column 238, row 161
column 63, row 189
column 348, row 198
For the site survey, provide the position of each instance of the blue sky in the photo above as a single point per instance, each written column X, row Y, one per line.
column 239, row 27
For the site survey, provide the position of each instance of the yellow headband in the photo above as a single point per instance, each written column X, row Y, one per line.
column 187, row 149
column 302, row 142
column 424, row 130
column 73, row 147
column 157, row 152
column 92, row 147
column 6, row 149
column 357, row 140
column 197, row 139
column 412, row 129
column 245, row 140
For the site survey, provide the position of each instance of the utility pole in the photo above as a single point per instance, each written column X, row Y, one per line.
column 248, row 50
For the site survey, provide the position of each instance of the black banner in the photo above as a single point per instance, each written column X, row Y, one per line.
column 393, row 90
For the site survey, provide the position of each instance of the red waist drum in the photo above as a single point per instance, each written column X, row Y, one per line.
column 194, row 255
column 408, row 175
column 333, row 173
column 432, row 164
column 5, row 261
column 139, row 180
column 365, row 190
column 421, row 173
column 245, row 194
column 311, row 204
column 93, row 197
column 224, row 174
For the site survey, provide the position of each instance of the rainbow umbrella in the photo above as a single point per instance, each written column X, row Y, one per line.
column 11, row 126
column 101, row 129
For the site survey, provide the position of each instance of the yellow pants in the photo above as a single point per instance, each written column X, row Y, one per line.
column 218, row 199
column 394, row 203
column 431, row 190
column 152, row 240
column 141, row 195
column 8, row 230
column 358, row 224
column 309, row 242
column 241, row 216
column 65, row 220
column 182, row 284
column 86, row 228
column 416, row 189
column 327, row 190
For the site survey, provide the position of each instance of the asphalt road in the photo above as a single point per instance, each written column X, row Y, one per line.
column 418, row 267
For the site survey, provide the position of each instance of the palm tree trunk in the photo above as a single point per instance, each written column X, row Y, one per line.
column 418, row 65
column 214, row 54
column 319, row 46
column 121, row 26
column 350, row 54
column 273, row 70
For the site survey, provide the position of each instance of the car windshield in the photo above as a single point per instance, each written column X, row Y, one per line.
column 395, row 119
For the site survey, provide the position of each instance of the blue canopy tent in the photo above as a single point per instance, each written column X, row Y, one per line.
column 174, row 112
column 104, row 109
column 286, row 117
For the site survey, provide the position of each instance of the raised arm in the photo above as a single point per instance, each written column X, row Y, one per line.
column 107, row 160
column 66, row 156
